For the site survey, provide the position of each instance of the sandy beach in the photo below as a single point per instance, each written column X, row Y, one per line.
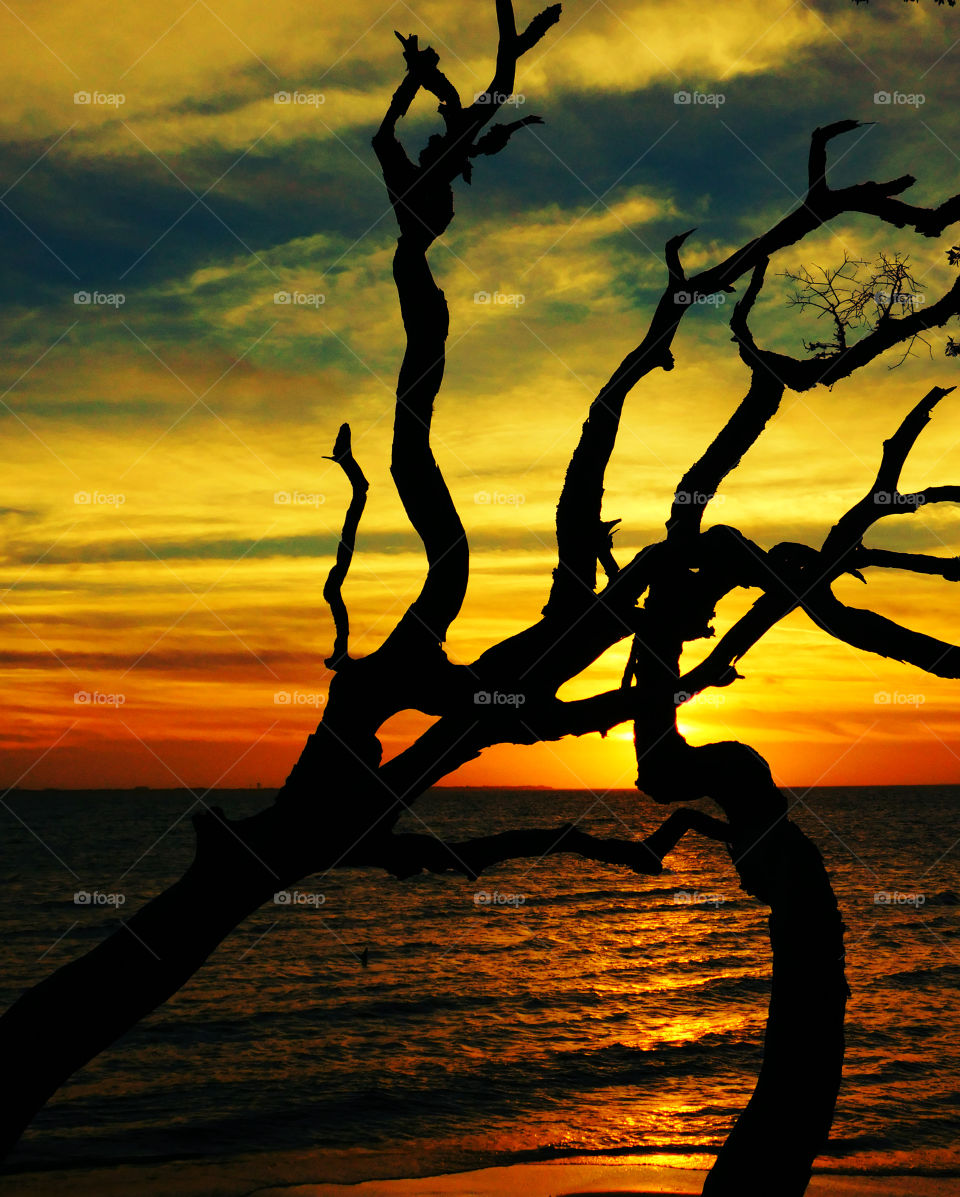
column 289, row 1175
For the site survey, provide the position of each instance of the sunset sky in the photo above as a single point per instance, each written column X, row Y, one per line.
column 146, row 559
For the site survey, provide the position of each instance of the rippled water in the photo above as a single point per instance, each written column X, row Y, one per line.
column 573, row 1008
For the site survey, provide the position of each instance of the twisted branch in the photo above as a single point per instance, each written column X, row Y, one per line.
column 333, row 589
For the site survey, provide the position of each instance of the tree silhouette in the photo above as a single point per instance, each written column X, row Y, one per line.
column 340, row 803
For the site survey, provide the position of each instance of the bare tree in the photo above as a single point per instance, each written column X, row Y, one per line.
column 857, row 295
column 340, row 804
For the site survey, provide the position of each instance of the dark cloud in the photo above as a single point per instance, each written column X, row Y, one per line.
column 322, row 547
column 727, row 168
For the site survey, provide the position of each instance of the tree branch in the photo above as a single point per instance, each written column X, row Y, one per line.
column 800, row 576
column 537, row 28
column 741, row 431
column 876, row 634
column 422, row 198
column 817, row 161
column 510, row 47
column 579, row 508
column 800, row 374
column 406, row 855
column 333, row 589
column 918, row 563
column 578, row 522
column 884, row 497
column 420, row 484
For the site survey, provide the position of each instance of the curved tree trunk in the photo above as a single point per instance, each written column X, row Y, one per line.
column 771, row 1149
column 59, row 1025
column 786, row 1123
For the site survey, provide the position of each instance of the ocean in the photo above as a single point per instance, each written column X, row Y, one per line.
column 553, row 1008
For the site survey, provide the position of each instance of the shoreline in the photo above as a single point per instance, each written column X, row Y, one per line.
column 294, row 1174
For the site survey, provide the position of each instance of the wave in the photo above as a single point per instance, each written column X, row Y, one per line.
column 918, row 978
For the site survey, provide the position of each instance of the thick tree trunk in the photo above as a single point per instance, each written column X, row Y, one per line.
column 785, row 1126
column 787, row 1121
column 59, row 1025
